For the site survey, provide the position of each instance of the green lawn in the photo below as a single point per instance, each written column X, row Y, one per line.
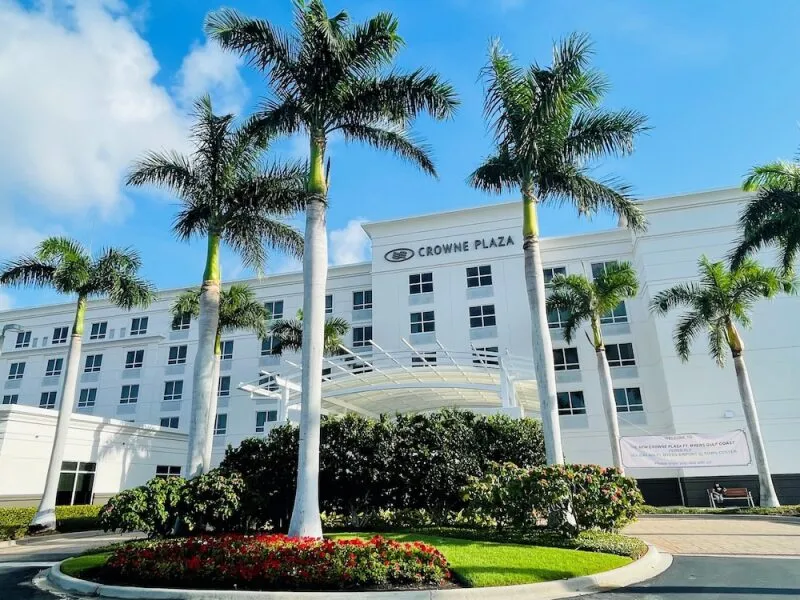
column 74, row 567
column 482, row 564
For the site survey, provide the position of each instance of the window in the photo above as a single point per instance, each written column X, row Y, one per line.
column 134, row 359
column 170, row 423
column 227, row 350
column 423, row 322
column 357, row 366
column 139, row 325
column 269, row 383
column 556, row 319
column 423, row 359
column 362, row 300
column 47, row 400
column 566, row 359
column 479, row 276
column 16, row 370
column 486, row 356
column 23, row 339
column 601, row 267
column 166, row 471
column 182, row 322
column 98, row 331
column 93, row 363
column 224, row 386
column 628, row 400
column 326, row 374
column 482, row 316
column 221, row 424
column 362, row 336
column 270, row 346
column 173, row 390
column 60, row 335
column 571, row 403
column 550, row 272
column 620, row 355
column 75, row 484
column 130, row 394
column 618, row 315
column 274, row 309
column 421, row 283
column 11, row 399
column 329, row 304
column 87, row 397
column 54, row 366
column 177, row 355
column 264, row 417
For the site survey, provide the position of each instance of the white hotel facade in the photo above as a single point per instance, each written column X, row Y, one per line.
column 442, row 294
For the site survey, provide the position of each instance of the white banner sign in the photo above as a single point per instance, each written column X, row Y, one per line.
column 686, row 450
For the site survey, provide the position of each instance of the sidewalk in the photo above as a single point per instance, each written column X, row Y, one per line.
column 719, row 535
column 58, row 547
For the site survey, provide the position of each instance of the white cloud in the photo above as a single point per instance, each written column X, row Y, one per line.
column 16, row 238
column 6, row 301
column 77, row 104
column 210, row 69
column 349, row 244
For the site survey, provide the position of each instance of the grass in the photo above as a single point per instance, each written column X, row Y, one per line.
column 481, row 564
column 789, row 510
column 75, row 567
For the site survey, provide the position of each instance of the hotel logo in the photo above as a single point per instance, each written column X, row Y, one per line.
column 399, row 255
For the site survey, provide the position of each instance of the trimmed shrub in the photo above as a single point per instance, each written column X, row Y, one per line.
column 213, row 499
column 268, row 562
column 151, row 508
column 387, row 519
column 569, row 498
column 398, row 463
column 14, row 521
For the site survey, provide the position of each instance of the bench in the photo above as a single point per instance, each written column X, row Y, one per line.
column 730, row 494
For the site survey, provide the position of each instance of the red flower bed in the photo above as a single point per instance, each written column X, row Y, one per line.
column 269, row 562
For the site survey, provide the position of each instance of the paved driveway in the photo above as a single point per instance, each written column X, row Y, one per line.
column 720, row 535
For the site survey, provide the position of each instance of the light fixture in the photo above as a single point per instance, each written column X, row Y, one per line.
column 729, row 414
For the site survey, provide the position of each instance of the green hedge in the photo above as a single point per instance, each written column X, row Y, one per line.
column 14, row 521
column 789, row 510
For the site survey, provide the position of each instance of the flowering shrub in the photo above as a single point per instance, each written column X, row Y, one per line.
column 264, row 562
column 570, row 498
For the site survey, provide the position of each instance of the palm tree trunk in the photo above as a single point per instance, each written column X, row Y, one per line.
column 45, row 518
column 203, row 390
column 609, row 406
column 540, row 334
column 212, row 409
column 767, row 489
column 305, row 520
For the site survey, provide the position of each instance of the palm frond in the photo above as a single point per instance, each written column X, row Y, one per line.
column 687, row 328
column 130, row 291
column 780, row 175
column 392, row 139
column 617, row 283
column 506, row 97
column 497, row 174
column 596, row 134
column 187, row 303
column 372, row 43
column 681, row 294
column 169, row 170
column 193, row 219
column 772, row 217
column 27, row 271
column 718, row 342
column 240, row 310
column 574, row 295
column 289, row 332
column 61, row 249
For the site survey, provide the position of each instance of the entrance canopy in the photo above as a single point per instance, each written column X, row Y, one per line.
column 370, row 381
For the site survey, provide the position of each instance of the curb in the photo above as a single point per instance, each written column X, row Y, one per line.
column 774, row 518
column 8, row 543
column 651, row 564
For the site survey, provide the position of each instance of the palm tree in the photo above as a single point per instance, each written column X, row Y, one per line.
column 588, row 301
column 228, row 195
column 722, row 299
column 66, row 266
column 548, row 125
column 330, row 76
column 290, row 333
column 238, row 310
column 772, row 217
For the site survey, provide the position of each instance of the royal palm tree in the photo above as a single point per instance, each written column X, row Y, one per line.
column 772, row 217
column 548, row 126
column 238, row 311
column 330, row 76
column 289, row 333
column 66, row 266
column 229, row 195
column 589, row 301
column 722, row 299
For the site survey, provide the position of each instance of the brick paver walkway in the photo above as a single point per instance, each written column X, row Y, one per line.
column 719, row 535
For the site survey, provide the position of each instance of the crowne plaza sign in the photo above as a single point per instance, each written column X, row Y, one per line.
column 465, row 245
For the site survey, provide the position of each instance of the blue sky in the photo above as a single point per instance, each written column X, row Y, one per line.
column 88, row 85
